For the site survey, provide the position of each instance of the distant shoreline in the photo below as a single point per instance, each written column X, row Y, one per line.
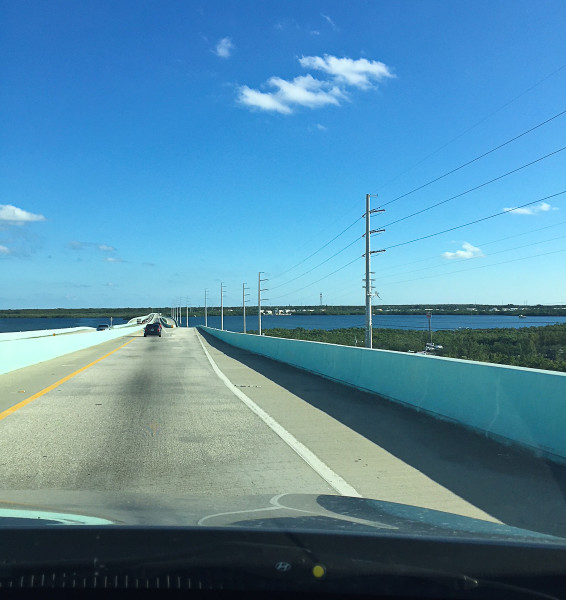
column 126, row 313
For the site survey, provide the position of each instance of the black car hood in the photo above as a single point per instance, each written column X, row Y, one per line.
column 283, row 512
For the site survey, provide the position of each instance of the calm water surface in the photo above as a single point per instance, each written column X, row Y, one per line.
column 439, row 322
column 56, row 323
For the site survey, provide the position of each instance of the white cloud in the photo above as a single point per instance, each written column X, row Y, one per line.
column 4, row 250
column 12, row 215
column 306, row 90
column 224, row 48
column 358, row 73
column 262, row 101
column 321, row 127
column 542, row 207
column 468, row 251
column 112, row 259
column 329, row 21
column 75, row 245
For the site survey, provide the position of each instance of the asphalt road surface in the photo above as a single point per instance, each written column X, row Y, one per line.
column 188, row 416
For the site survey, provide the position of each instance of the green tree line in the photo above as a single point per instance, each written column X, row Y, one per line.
column 534, row 347
column 397, row 309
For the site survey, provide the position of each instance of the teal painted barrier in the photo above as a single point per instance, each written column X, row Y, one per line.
column 512, row 404
column 16, row 354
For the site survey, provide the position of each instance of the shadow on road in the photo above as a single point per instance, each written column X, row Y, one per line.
column 509, row 483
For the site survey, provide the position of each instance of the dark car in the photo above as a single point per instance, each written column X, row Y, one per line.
column 152, row 329
column 103, row 328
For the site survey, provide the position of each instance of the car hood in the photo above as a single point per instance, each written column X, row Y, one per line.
column 282, row 512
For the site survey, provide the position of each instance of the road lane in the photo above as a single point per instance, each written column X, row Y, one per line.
column 390, row 452
column 151, row 418
column 20, row 384
column 155, row 419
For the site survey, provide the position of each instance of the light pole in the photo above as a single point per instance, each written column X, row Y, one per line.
column 259, row 290
column 244, row 294
column 205, row 309
column 222, row 306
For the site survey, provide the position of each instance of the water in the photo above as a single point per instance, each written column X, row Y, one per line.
column 23, row 324
column 416, row 322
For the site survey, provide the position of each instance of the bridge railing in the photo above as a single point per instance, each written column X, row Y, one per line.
column 19, row 353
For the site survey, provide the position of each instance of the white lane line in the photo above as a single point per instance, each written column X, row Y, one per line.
column 332, row 478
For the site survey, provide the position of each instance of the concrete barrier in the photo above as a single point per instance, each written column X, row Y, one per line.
column 20, row 335
column 19, row 353
column 512, row 404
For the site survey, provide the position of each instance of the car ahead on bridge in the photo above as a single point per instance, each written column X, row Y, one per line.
column 152, row 329
column 103, row 327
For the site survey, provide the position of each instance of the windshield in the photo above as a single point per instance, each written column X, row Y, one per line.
column 349, row 313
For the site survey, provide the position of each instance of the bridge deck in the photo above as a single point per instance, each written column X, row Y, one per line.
column 154, row 417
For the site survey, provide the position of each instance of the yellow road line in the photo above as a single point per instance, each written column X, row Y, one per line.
column 21, row 404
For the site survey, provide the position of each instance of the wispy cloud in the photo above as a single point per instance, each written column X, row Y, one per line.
column 542, row 207
column 224, row 47
column 20, row 240
column 468, row 251
column 76, row 245
column 113, row 259
column 329, row 21
column 359, row 73
column 321, row 127
column 307, row 91
column 12, row 215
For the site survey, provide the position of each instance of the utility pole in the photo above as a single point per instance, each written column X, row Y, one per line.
column 259, row 290
column 244, row 294
column 187, row 301
column 222, row 306
column 205, row 315
column 429, row 317
column 321, row 298
column 369, row 280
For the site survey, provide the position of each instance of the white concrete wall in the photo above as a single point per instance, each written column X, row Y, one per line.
column 23, row 352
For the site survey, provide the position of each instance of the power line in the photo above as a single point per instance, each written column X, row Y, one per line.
column 473, row 160
column 314, row 253
column 475, row 125
column 483, row 244
column 505, row 262
column 477, row 187
column 404, row 243
column 424, row 237
column 560, row 237
column 318, row 280
column 319, row 265
column 446, row 174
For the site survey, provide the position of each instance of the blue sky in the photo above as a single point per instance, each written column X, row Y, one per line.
column 151, row 150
